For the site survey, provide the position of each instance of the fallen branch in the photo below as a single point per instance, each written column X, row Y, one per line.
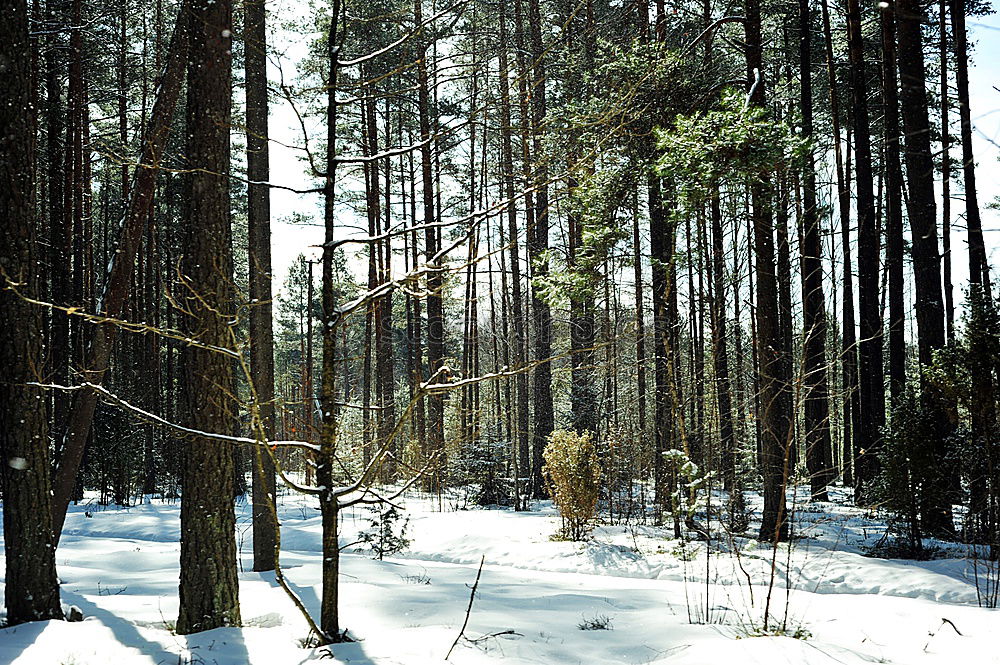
column 468, row 610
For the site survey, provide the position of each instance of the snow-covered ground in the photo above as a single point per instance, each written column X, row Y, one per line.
column 665, row 603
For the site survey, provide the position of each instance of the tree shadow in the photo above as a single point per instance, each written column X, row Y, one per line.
column 128, row 634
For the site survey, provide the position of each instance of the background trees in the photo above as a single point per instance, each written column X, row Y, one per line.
column 598, row 206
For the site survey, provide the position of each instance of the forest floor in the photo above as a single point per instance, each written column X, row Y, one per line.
column 662, row 601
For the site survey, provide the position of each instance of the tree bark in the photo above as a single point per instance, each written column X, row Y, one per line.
column 544, row 415
column 265, row 525
column 209, row 590
column 31, row 585
column 870, row 371
column 819, row 458
column 893, row 208
column 936, row 503
column 775, row 421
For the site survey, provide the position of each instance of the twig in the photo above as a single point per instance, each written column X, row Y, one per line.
column 944, row 620
column 477, row 640
column 468, row 610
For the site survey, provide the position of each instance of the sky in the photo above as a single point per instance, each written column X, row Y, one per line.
column 289, row 240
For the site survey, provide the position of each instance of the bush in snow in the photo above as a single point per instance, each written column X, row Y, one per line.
column 597, row 622
column 573, row 475
column 387, row 536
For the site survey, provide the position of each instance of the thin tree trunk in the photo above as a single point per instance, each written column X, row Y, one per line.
column 819, row 458
column 893, row 208
column 870, row 371
column 541, row 315
column 259, row 225
column 435, row 281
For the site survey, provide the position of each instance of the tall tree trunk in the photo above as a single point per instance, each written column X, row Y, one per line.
column 720, row 349
column 31, row 585
column 949, row 299
column 983, row 481
column 524, row 115
column 848, row 351
column 870, row 371
column 640, row 323
column 819, row 458
column 327, row 462
column 775, row 420
column 544, row 413
column 893, row 208
column 936, row 504
column 661, row 239
column 979, row 267
column 435, row 280
column 519, row 342
column 259, row 239
column 58, row 340
column 209, row 589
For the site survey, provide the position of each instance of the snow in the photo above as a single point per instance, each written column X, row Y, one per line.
column 120, row 567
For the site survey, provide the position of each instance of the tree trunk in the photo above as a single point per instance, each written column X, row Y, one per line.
column 31, row 585
column 327, row 463
column 259, row 239
column 817, row 406
column 936, row 502
column 209, row 590
column 435, row 280
column 870, row 372
column 720, row 350
column 775, row 420
column 983, row 482
column 893, row 208
column 541, row 315
column 519, row 342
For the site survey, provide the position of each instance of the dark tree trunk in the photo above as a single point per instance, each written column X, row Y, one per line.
column 819, row 458
column 848, row 351
column 435, row 280
column 31, row 585
column 265, row 525
column 983, row 480
column 775, row 420
column 870, row 371
column 640, row 324
column 519, row 343
column 720, row 350
column 893, row 208
column 209, row 590
column 936, row 504
column 661, row 246
column 327, row 463
column 944, row 105
column 979, row 269
column 524, row 114
column 544, row 421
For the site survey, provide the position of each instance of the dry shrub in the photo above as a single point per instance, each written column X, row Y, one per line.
column 574, row 478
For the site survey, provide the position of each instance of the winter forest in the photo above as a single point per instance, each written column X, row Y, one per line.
column 497, row 331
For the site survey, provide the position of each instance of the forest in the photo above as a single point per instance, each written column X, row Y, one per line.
column 690, row 292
